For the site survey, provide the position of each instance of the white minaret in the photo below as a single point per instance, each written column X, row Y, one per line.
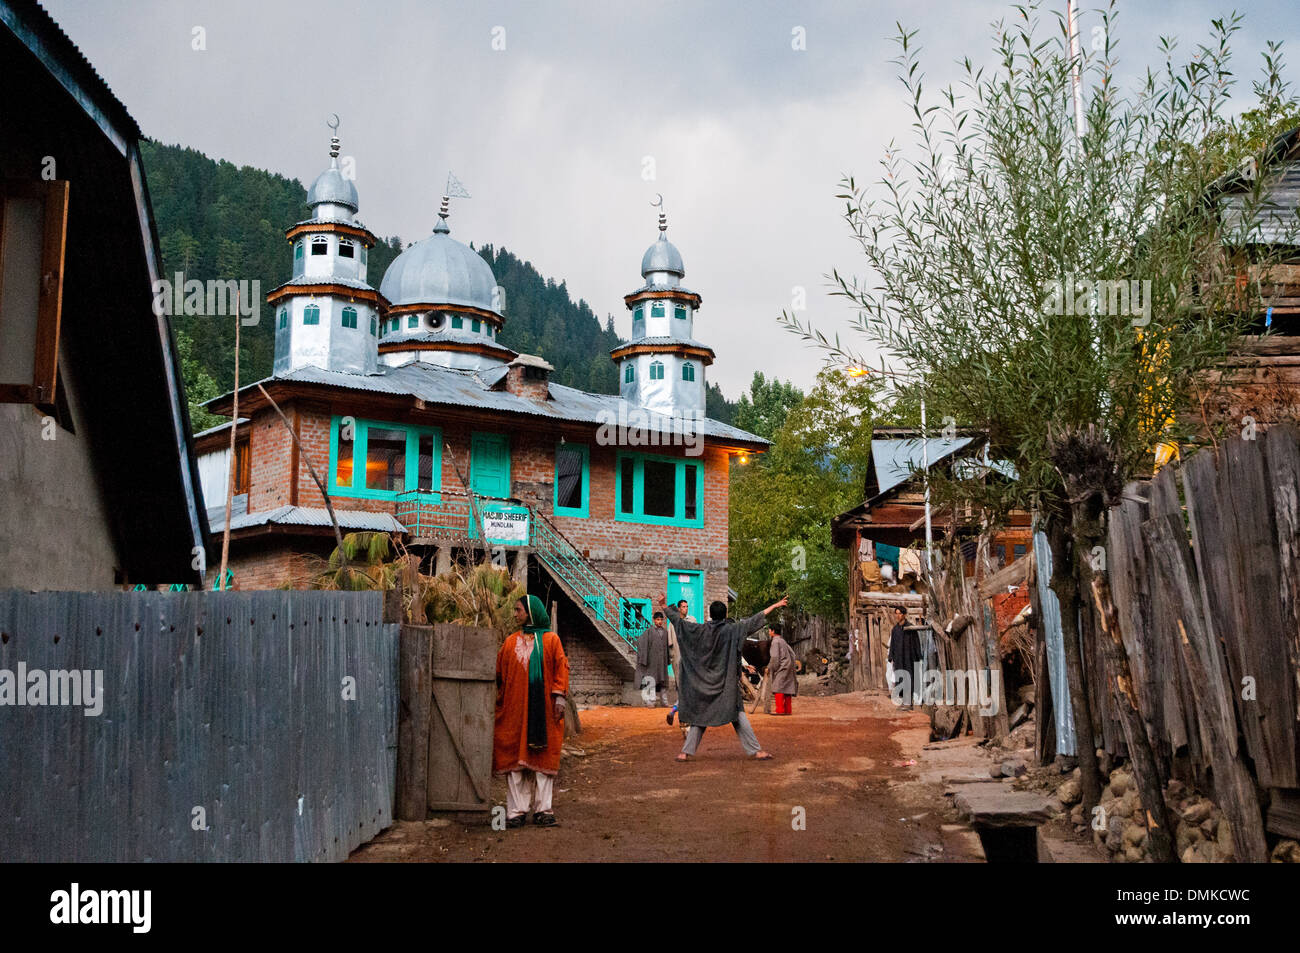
column 662, row 367
column 326, row 315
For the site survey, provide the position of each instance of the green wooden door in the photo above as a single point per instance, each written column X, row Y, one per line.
column 489, row 465
column 689, row 585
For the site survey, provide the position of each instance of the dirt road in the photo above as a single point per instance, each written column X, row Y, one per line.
column 836, row 767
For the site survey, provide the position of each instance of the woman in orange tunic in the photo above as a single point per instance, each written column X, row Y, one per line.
column 532, row 685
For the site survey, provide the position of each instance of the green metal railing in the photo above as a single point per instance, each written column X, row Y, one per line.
column 453, row 516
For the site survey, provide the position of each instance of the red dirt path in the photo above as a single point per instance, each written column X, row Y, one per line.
column 628, row 800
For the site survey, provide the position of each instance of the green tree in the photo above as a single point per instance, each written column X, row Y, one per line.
column 762, row 411
column 782, row 502
column 1000, row 212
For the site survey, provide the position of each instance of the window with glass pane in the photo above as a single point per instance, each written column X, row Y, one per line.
column 628, row 373
column 679, row 313
column 374, row 328
column 427, row 458
column 311, row 314
column 343, row 468
column 660, row 483
column 413, row 321
column 319, row 246
column 457, row 321
column 297, row 251
column 346, row 249
column 284, row 318
column 692, row 509
column 568, row 477
column 688, row 371
column 627, row 485
column 385, row 459
column 656, row 371
column 656, row 311
column 350, row 317
column 638, row 314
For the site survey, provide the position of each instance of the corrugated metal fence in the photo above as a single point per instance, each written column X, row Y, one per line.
column 268, row 718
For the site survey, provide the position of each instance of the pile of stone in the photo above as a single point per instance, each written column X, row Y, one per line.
column 1202, row 835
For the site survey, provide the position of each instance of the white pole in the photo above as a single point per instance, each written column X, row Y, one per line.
column 1076, row 81
column 925, row 462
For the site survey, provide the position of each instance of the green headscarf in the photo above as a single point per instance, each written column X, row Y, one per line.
column 538, row 622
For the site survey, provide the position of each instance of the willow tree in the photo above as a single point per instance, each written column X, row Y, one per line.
column 1062, row 278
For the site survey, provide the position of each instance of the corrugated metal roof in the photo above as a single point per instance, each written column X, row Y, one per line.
column 319, row 516
column 896, row 460
column 218, row 428
column 325, row 280
column 661, row 341
column 454, row 387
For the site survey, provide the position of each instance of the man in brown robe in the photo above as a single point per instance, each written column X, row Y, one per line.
column 532, row 688
column 781, row 673
column 652, row 662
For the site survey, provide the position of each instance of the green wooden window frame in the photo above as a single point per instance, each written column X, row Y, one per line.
column 457, row 321
column 656, row 310
column 679, row 313
column 298, row 251
column 583, row 508
column 320, row 246
column 412, row 321
column 311, row 314
column 688, row 371
column 365, row 254
column 629, row 506
column 477, row 326
column 349, row 318
column 347, row 248
column 374, row 328
column 638, row 314
column 360, row 439
column 629, row 374
column 656, row 370
column 284, row 317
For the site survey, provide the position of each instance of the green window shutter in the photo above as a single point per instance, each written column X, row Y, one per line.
column 284, row 317
column 297, row 252
column 688, row 371
column 311, row 314
column 628, row 373
column 477, row 326
column 374, row 328
column 657, row 371
column 679, row 312
column 638, row 314
column 413, row 321
column 457, row 321
column 350, row 318
column 656, row 310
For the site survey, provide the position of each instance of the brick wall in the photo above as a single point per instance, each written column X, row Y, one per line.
column 635, row 557
column 590, row 682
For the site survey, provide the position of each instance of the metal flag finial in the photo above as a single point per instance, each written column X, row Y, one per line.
column 333, row 123
column 454, row 188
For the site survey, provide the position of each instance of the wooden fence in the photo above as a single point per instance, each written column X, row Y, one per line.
column 232, row 726
column 1204, row 565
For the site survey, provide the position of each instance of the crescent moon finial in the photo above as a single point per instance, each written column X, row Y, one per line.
column 333, row 121
column 659, row 200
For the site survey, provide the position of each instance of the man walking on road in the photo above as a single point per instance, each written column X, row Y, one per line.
column 708, row 685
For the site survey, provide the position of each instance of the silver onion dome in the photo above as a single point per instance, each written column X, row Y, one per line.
column 440, row 270
column 662, row 256
column 331, row 186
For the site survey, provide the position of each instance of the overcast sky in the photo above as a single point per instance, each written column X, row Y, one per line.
column 748, row 135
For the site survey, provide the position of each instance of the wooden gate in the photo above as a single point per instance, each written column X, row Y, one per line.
column 448, row 699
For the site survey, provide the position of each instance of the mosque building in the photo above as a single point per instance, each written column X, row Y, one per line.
column 421, row 421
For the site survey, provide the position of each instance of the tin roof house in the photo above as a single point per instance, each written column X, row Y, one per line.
column 98, row 482
column 422, row 421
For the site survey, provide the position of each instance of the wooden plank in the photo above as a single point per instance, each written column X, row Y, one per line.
column 463, row 659
column 1282, row 457
column 50, row 306
column 1234, row 787
column 1013, row 574
column 415, row 693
